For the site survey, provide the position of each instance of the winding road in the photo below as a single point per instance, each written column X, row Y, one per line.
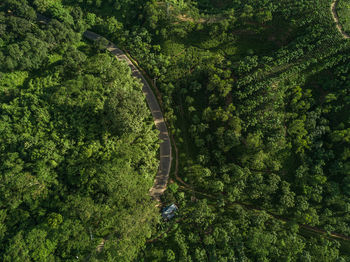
column 161, row 179
column 162, row 176
column 336, row 19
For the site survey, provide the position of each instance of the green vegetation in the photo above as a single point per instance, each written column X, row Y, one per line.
column 343, row 10
column 78, row 149
column 257, row 95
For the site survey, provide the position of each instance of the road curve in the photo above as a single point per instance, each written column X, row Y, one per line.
column 161, row 179
column 336, row 19
column 162, row 176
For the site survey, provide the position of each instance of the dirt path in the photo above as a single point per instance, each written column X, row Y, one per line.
column 229, row 205
column 336, row 19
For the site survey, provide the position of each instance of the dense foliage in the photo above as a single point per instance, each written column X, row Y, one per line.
column 257, row 93
column 257, row 96
column 343, row 10
column 78, row 149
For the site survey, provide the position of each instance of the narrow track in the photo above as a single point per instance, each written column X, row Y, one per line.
column 229, row 205
column 336, row 19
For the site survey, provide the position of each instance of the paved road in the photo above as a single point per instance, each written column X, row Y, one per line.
column 161, row 179
column 162, row 176
column 336, row 19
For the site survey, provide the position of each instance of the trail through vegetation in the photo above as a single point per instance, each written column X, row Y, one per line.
column 336, row 19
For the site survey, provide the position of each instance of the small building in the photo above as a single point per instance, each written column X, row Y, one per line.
column 169, row 212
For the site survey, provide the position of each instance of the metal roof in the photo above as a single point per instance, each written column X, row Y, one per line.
column 169, row 211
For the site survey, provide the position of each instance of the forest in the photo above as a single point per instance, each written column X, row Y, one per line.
column 78, row 147
column 343, row 10
column 256, row 95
